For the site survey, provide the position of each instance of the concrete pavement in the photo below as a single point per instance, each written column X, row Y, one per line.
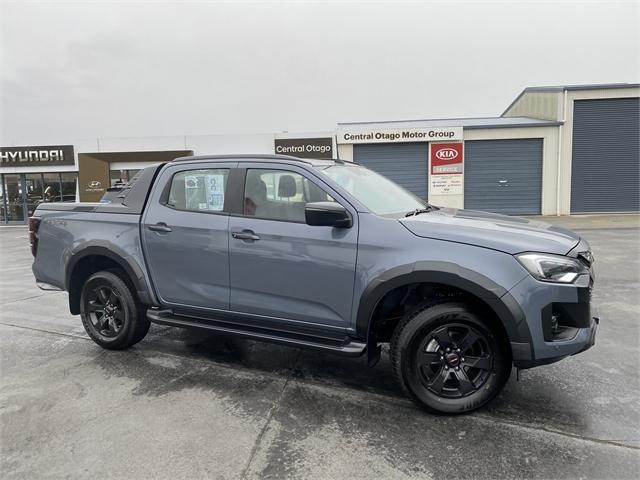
column 592, row 222
column 186, row 405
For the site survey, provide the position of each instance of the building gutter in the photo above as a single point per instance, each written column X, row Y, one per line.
column 560, row 135
column 513, row 125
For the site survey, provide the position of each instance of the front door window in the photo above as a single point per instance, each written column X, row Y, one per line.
column 280, row 195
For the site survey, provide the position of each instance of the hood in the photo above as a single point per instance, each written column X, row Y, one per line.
column 491, row 230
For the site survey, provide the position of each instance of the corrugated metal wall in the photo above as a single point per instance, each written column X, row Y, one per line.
column 404, row 163
column 504, row 176
column 605, row 166
column 536, row 105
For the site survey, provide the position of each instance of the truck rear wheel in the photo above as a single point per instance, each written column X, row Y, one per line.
column 447, row 359
column 112, row 316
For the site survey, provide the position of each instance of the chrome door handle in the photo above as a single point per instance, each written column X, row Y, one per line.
column 245, row 235
column 160, row 227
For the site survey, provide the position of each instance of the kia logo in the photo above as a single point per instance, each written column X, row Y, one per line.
column 95, row 184
column 447, row 154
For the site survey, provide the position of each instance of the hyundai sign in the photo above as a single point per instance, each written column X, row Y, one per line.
column 36, row 156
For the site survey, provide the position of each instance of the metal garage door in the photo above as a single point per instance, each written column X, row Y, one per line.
column 503, row 176
column 404, row 163
column 605, row 170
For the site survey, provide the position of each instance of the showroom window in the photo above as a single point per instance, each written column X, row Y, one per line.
column 23, row 192
column 280, row 195
column 52, row 187
column 199, row 190
column 68, row 182
column 34, row 191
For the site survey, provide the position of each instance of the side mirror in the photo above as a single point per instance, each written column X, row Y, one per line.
column 327, row 214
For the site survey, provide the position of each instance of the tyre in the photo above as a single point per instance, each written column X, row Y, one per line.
column 112, row 316
column 447, row 360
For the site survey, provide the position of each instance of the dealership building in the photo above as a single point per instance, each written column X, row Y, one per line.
column 554, row 151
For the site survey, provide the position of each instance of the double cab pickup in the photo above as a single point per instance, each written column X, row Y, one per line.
column 322, row 254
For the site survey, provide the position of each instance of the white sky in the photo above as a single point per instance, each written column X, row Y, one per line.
column 89, row 69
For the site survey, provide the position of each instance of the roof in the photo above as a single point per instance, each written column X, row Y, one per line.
column 467, row 123
column 568, row 88
column 237, row 157
column 252, row 157
column 489, row 122
column 592, row 86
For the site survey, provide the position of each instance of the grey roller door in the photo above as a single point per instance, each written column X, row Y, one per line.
column 605, row 167
column 503, row 176
column 404, row 163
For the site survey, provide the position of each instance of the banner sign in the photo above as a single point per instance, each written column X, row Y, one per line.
column 447, row 169
column 401, row 135
column 446, row 158
column 321, row 147
column 36, row 156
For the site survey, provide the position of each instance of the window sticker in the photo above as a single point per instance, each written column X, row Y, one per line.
column 215, row 192
column 194, row 192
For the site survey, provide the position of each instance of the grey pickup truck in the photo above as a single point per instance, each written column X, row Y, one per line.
column 322, row 254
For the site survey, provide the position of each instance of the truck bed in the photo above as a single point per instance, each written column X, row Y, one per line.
column 130, row 200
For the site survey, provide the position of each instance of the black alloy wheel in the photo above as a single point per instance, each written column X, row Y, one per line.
column 455, row 360
column 111, row 313
column 105, row 310
column 447, row 358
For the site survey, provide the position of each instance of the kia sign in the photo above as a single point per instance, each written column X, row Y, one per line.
column 446, row 158
column 36, row 156
column 447, row 169
column 447, row 153
column 305, row 147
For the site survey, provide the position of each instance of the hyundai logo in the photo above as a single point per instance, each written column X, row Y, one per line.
column 95, row 184
column 447, row 153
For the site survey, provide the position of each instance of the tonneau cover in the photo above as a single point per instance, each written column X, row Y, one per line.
column 130, row 200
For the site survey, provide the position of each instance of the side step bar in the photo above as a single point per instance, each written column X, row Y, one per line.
column 341, row 346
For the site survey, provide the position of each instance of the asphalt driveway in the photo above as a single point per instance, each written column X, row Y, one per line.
column 184, row 405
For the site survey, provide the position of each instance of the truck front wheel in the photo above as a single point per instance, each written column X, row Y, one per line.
column 447, row 359
column 112, row 316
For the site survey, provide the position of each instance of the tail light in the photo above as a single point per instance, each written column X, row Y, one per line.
column 34, row 225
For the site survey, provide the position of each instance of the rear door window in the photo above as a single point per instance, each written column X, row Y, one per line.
column 199, row 190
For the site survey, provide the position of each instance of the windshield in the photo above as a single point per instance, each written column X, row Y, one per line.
column 377, row 193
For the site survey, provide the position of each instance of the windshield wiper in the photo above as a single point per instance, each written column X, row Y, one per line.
column 418, row 211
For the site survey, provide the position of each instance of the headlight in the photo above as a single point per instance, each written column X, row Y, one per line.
column 552, row 268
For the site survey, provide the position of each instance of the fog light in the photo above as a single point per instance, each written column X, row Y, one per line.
column 554, row 324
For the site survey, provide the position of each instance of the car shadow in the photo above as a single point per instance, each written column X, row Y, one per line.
column 172, row 352
column 301, row 364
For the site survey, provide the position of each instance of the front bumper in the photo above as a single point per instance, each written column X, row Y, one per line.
column 559, row 318
column 595, row 321
column 584, row 340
